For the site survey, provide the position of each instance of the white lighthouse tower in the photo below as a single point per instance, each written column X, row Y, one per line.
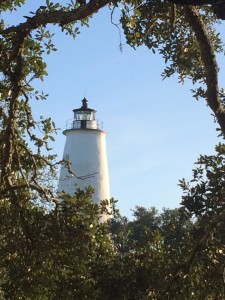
column 85, row 149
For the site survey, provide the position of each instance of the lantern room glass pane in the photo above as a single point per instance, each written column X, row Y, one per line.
column 84, row 115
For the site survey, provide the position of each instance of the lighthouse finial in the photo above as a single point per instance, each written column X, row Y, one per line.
column 85, row 103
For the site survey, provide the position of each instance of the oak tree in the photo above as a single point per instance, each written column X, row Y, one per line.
column 167, row 256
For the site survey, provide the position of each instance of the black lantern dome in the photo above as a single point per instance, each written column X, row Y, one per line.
column 84, row 113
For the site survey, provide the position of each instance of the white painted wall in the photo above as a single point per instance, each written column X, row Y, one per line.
column 86, row 150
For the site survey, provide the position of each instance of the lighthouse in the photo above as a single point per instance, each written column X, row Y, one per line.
column 85, row 149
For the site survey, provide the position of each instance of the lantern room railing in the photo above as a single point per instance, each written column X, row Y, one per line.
column 75, row 124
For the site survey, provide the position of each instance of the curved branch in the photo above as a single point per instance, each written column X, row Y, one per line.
column 210, row 64
column 60, row 17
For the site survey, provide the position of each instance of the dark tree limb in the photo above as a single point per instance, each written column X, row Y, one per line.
column 60, row 17
column 210, row 64
column 218, row 6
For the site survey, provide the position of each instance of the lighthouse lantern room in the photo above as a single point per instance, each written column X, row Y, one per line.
column 84, row 117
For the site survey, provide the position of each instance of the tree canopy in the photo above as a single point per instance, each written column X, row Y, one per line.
column 184, row 35
column 55, row 248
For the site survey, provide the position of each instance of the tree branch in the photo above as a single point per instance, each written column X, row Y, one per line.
column 210, row 64
column 60, row 17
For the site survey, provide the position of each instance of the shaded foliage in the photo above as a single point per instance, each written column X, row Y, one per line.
column 65, row 253
column 52, row 254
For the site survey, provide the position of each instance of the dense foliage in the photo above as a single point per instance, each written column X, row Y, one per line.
column 180, row 253
column 184, row 35
column 65, row 253
column 53, row 248
column 52, row 254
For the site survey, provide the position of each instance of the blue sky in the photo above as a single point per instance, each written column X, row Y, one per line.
column 156, row 130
